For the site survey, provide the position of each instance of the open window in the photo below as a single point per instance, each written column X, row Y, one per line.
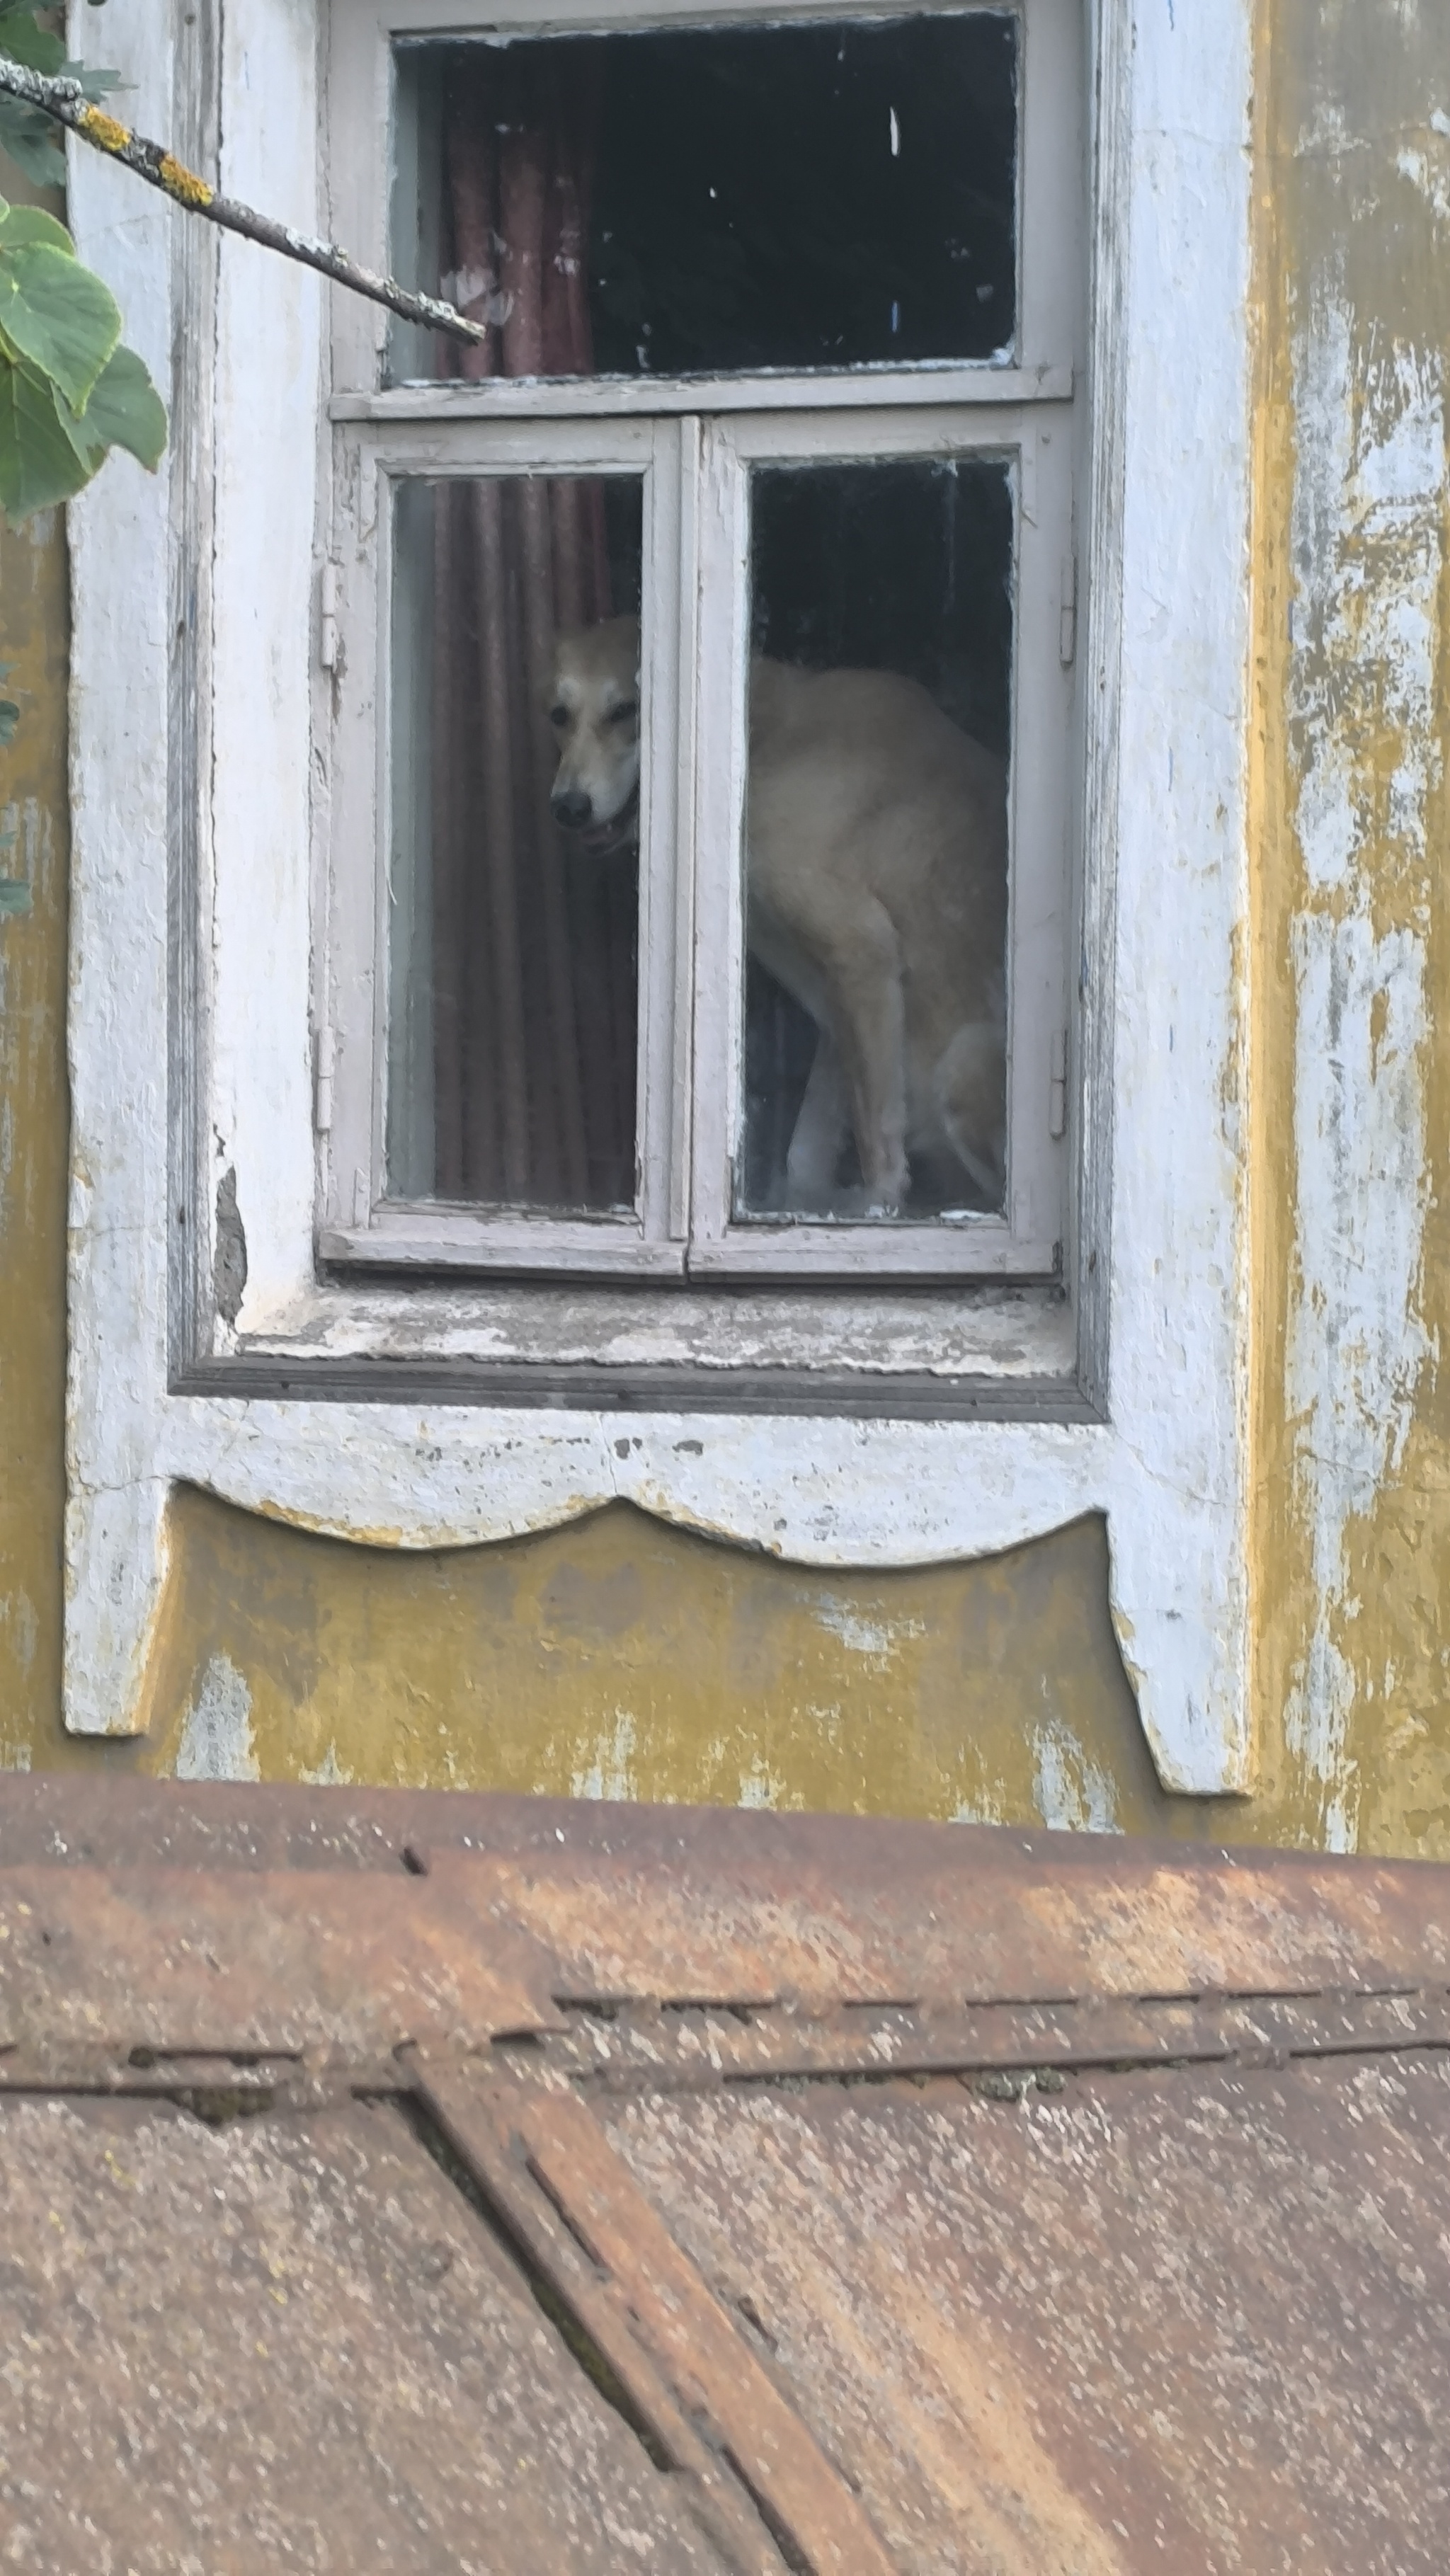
column 700, row 869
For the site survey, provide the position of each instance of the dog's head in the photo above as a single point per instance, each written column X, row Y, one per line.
column 594, row 710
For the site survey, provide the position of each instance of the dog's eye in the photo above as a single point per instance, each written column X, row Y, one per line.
column 626, row 713
column 558, row 715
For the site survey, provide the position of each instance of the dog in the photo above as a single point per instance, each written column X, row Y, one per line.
column 876, row 881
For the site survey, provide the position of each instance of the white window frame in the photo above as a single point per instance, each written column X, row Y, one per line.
column 695, row 589
column 951, row 1421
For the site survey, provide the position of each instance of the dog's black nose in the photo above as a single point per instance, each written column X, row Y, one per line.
column 571, row 806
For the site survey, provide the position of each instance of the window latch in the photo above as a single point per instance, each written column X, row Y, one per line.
column 327, row 620
column 324, row 1061
column 1067, row 618
column 1057, row 1086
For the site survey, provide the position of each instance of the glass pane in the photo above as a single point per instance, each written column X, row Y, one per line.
column 513, row 919
column 720, row 198
column 876, row 841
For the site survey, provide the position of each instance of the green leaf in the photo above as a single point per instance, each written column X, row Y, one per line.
column 125, row 410
column 21, row 225
column 39, row 464
column 30, row 140
column 9, row 719
column 58, row 315
column 27, row 43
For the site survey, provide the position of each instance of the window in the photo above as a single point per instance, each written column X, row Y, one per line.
column 700, row 847
column 263, row 956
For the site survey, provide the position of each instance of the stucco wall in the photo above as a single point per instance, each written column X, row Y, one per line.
column 620, row 1658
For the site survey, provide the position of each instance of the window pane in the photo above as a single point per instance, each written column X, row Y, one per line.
column 876, row 841
column 814, row 196
column 513, row 912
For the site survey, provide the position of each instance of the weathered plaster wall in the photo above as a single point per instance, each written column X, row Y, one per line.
column 1352, row 959
column 33, row 850
column 617, row 1656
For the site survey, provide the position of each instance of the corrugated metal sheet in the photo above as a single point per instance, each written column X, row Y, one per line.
column 414, row 2182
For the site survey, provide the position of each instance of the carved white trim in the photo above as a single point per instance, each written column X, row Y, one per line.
column 1161, row 1249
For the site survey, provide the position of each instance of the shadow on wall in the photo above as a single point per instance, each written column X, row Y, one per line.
column 620, row 1658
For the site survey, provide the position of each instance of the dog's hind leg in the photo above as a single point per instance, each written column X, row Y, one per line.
column 862, row 971
column 823, row 1122
column 970, row 1084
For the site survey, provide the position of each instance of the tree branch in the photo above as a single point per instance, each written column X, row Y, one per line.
column 64, row 99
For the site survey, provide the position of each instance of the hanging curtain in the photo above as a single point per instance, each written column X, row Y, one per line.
column 534, row 941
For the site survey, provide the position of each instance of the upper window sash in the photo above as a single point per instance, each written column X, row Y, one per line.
column 1051, row 276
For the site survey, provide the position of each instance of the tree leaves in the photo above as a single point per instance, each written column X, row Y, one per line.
column 28, row 137
column 27, row 42
column 39, row 463
column 60, row 316
column 68, row 391
column 125, row 410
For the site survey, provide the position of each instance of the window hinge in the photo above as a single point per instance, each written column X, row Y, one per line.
column 1057, row 1086
column 1067, row 618
column 325, row 1046
column 327, row 621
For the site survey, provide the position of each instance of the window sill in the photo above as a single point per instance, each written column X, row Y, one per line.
column 980, row 1351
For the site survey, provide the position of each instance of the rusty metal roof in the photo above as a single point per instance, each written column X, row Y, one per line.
column 444, row 2182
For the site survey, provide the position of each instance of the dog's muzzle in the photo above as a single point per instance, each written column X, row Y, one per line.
column 601, row 840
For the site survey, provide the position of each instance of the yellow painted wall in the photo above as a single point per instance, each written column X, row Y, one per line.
column 33, row 846
column 1352, row 555
column 618, row 1657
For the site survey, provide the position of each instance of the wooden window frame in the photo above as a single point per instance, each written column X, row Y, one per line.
column 695, row 443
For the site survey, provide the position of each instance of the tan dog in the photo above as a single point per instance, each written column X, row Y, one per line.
column 876, row 837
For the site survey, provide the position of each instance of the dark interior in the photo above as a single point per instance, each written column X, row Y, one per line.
column 809, row 196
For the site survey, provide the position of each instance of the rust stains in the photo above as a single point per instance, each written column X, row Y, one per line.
column 510, row 2184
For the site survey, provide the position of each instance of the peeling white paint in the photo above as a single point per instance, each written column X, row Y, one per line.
column 1073, row 1793
column 878, row 1640
column 17, row 1617
column 1430, row 177
column 759, row 1786
column 984, row 1809
column 611, row 1774
column 329, row 1773
column 1368, row 542
column 216, row 1735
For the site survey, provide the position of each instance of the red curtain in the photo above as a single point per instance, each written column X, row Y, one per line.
column 534, row 942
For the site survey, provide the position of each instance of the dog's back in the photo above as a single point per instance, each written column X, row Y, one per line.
column 877, row 835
